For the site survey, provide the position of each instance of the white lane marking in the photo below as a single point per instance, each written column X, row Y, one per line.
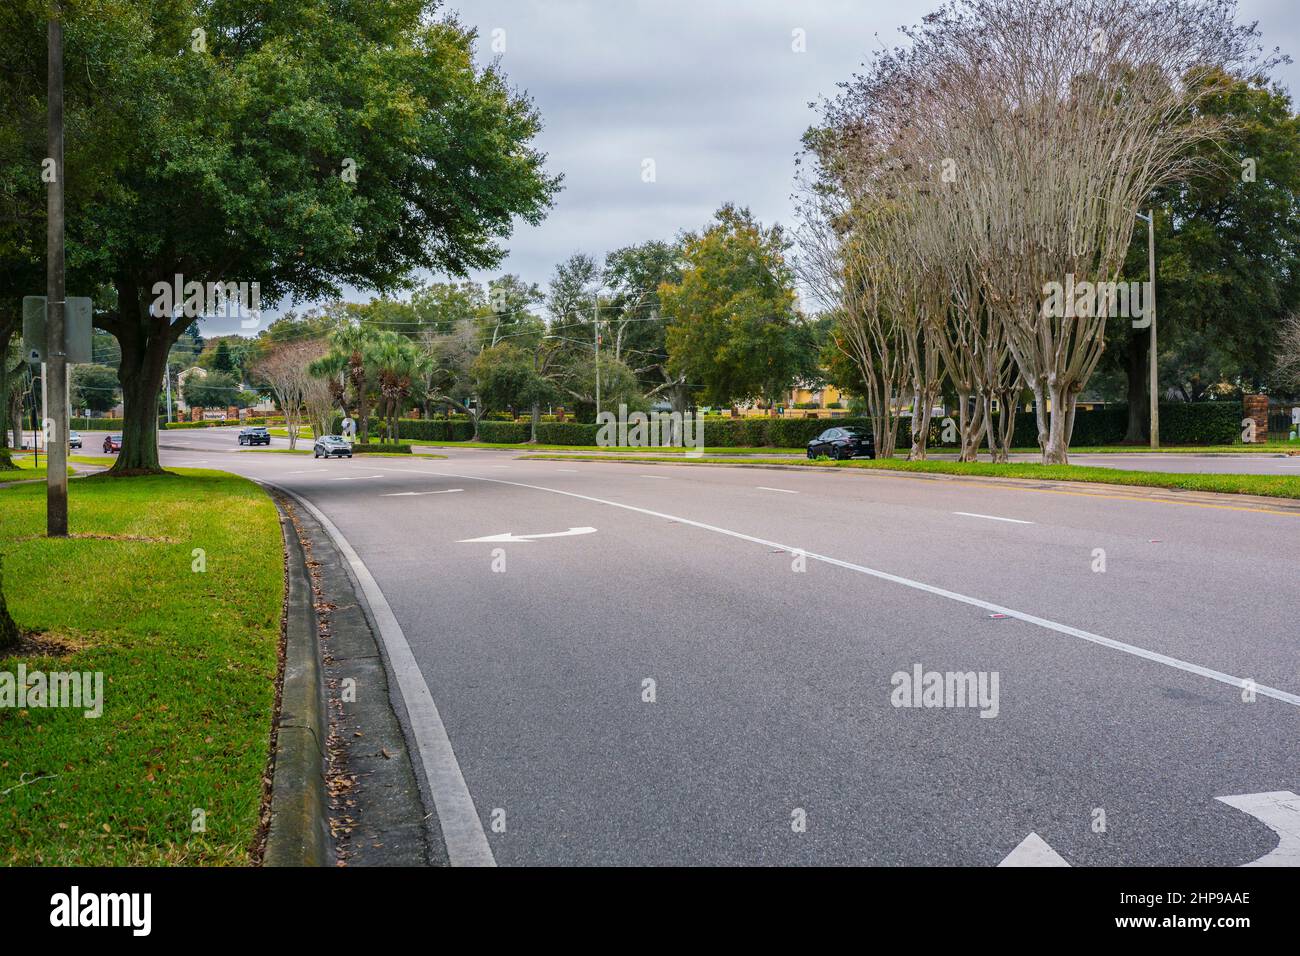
column 462, row 830
column 971, row 514
column 658, row 477
column 784, row 491
column 356, row 477
column 1142, row 652
column 511, row 536
column 571, row 471
column 410, row 494
column 1033, row 850
column 197, row 461
column 1280, row 812
column 500, row 466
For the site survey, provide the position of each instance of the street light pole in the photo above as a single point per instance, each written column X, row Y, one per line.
column 1151, row 306
column 56, row 446
column 595, row 315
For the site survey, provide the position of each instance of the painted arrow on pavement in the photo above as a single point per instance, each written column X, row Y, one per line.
column 1033, row 851
column 511, row 537
column 1279, row 810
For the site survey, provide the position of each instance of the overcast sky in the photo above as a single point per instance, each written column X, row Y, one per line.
column 711, row 90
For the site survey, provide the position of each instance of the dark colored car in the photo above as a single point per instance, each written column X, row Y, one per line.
column 74, row 439
column 255, row 436
column 332, row 446
column 839, row 443
column 112, row 444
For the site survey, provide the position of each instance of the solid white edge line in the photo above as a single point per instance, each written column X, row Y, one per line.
column 1142, row 652
column 462, row 830
column 971, row 514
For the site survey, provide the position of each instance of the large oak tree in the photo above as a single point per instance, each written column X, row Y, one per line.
column 303, row 145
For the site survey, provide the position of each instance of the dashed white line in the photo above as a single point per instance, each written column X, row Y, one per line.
column 971, row 514
column 356, row 477
column 412, row 494
column 784, row 491
column 1133, row 649
column 657, row 477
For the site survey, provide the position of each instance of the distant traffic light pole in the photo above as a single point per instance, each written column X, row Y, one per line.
column 56, row 385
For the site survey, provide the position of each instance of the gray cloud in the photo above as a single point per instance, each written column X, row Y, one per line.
column 709, row 89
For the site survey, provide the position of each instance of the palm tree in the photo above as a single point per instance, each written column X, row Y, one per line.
column 352, row 359
column 398, row 365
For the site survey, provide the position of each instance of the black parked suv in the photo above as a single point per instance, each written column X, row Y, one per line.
column 254, row 436
column 841, row 443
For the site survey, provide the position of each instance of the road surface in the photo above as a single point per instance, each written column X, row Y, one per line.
column 779, row 614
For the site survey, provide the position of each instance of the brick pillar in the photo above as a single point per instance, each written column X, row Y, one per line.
column 196, row 414
column 1255, row 407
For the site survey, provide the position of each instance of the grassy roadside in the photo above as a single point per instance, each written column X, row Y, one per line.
column 364, row 454
column 1271, row 486
column 188, row 662
column 27, row 471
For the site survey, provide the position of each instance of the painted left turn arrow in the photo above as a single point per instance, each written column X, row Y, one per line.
column 1033, row 851
column 510, row 536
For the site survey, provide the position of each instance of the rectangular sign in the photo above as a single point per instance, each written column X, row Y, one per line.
column 77, row 316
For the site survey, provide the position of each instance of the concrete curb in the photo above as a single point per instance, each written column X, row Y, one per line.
column 299, row 830
column 1093, row 489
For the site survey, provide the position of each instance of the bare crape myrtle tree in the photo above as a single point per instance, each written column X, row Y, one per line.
column 1020, row 137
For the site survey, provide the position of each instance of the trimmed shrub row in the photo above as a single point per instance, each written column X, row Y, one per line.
column 95, row 424
column 1181, row 423
column 382, row 447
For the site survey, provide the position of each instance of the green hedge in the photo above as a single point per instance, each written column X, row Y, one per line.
column 218, row 423
column 438, row 429
column 381, row 447
column 503, row 432
column 96, row 425
column 567, row 433
column 1181, row 423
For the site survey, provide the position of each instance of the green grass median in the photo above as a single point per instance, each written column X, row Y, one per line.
column 1271, row 486
column 171, row 587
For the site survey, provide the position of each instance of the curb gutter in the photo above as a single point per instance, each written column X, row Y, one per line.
column 299, row 830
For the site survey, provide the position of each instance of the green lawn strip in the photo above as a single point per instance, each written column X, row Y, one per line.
column 188, row 662
column 26, row 469
column 362, row 454
column 1268, row 448
column 1272, row 486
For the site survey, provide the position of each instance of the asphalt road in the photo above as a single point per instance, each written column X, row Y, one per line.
column 1119, row 692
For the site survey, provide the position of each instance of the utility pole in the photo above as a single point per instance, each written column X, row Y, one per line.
column 169, row 391
column 56, row 446
column 595, row 324
column 1151, row 306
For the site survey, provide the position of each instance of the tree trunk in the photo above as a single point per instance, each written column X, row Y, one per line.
column 536, row 417
column 972, row 427
column 1061, row 421
column 140, row 375
column 9, row 633
column 1138, row 407
column 8, row 409
column 1040, row 411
